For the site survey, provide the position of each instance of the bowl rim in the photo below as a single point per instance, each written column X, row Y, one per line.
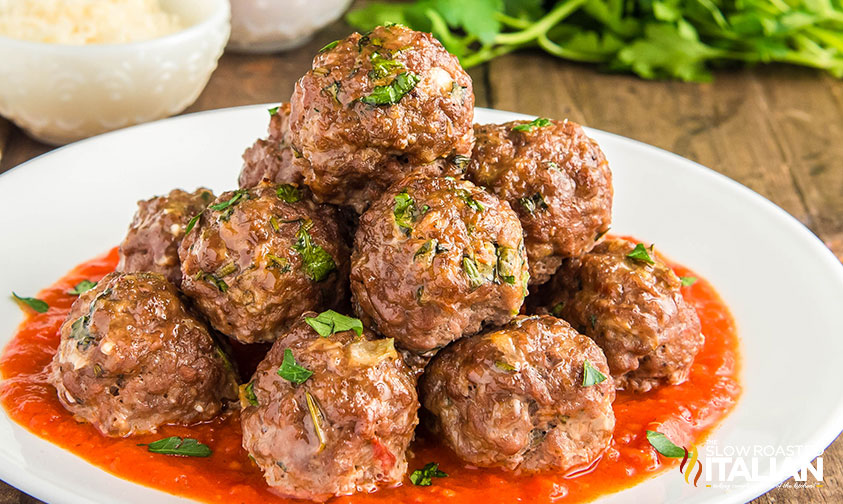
column 221, row 14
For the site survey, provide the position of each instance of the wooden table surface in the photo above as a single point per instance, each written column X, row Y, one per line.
column 776, row 130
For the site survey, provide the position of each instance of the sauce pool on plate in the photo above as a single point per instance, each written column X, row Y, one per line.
column 686, row 413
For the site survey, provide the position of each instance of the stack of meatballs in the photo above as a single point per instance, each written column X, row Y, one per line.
column 384, row 245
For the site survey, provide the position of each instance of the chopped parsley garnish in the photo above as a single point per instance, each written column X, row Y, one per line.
column 249, row 394
column 601, row 234
column 187, row 447
column 505, row 366
column 404, row 211
column 639, row 253
column 461, row 162
column 192, row 222
column 83, row 286
column 507, row 266
column 273, row 111
column 392, row 93
column 274, row 261
column 475, row 279
column 79, row 331
column 329, row 46
column 538, row 122
column 465, row 195
column 317, row 263
column 425, row 475
column 382, row 66
column 288, row 193
column 688, row 281
column 664, row 445
column 212, row 279
column 533, row 203
column 333, row 90
column 591, row 375
column 34, row 303
column 593, row 320
column 227, row 207
column 291, row 371
column 330, row 322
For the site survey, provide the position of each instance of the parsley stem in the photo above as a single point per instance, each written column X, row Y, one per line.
column 557, row 50
column 542, row 26
column 485, row 54
column 513, row 22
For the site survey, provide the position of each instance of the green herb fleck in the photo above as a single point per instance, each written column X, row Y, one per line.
column 404, row 211
column 80, row 332
column 688, row 281
column 330, row 322
column 273, row 111
column 475, row 279
column 381, row 66
column 83, row 286
column 427, row 250
column 333, row 90
column 465, row 195
column 288, row 193
column 538, row 122
column 329, row 46
column 505, row 366
column 508, row 263
column 316, row 261
column 187, row 447
column 593, row 321
column 392, row 93
column 291, row 371
column 639, row 253
column 34, row 303
column 425, row 475
column 664, row 445
column 227, row 207
column 557, row 309
column 217, row 282
column 274, row 261
column 192, row 222
column 249, row 394
column 533, row 203
column 591, row 375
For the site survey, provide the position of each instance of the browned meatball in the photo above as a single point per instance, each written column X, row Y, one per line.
column 339, row 425
column 259, row 258
column 152, row 243
column 132, row 357
column 376, row 106
column 633, row 309
column 555, row 177
column 435, row 259
column 271, row 158
column 532, row 396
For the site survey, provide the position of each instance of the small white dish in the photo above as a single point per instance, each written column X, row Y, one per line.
column 783, row 285
column 62, row 93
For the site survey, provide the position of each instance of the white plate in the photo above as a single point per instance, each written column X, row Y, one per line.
column 784, row 287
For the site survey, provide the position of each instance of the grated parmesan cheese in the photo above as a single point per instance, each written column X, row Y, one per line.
column 80, row 22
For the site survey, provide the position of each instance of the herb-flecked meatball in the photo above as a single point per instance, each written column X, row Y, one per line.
column 555, row 177
column 271, row 158
column 152, row 243
column 435, row 259
column 330, row 413
column 376, row 106
column 260, row 257
column 532, row 396
column 133, row 357
column 629, row 301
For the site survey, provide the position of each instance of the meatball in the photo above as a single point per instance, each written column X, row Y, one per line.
column 338, row 424
column 158, row 227
column 260, row 257
column 376, row 106
column 630, row 305
column 271, row 158
column 435, row 259
column 132, row 357
column 556, row 179
column 532, row 396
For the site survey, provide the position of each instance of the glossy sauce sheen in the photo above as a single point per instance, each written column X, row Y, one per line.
column 686, row 413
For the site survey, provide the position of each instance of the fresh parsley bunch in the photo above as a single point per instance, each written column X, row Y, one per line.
column 656, row 39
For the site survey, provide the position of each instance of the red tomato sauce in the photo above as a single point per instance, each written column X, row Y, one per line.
column 686, row 413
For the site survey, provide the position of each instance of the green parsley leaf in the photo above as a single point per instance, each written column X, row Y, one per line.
column 317, row 263
column 538, row 122
column 688, row 281
column 330, row 322
column 273, row 111
column 192, row 222
column 404, row 211
column 591, row 375
column 249, row 394
column 274, row 261
column 187, row 447
column 329, row 46
column 475, row 279
column 80, row 332
column 291, row 371
column 508, row 263
column 392, row 93
column 382, row 66
column 639, row 253
column 425, row 475
column 227, row 207
column 83, row 286
column 533, row 203
column 505, row 366
column 288, row 193
column 34, row 303
column 556, row 311
column 213, row 279
column 468, row 199
column 664, row 445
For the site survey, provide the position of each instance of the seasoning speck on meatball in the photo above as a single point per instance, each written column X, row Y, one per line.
column 260, row 257
column 152, row 243
column 132, row 357
column 271, row 158
column 628, row 300
column 532, row 396
column 376, row 106
column 330, row 411
column 555, row 177
column 435, row 259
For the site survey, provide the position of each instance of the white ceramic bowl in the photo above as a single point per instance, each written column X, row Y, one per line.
column 262, row 26
column 62, row 93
